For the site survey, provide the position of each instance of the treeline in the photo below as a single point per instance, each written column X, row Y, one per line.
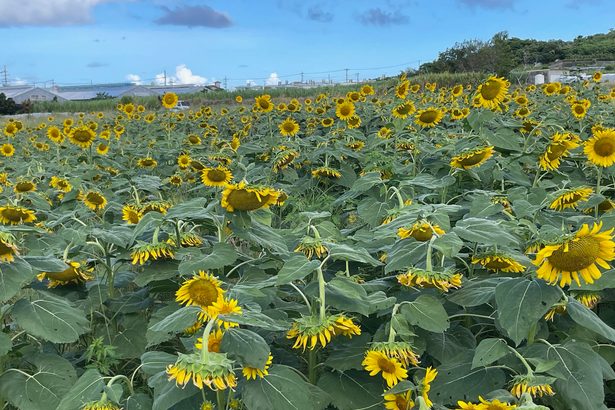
column 502, row 53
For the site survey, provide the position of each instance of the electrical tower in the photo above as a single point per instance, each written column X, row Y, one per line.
column 5, row 76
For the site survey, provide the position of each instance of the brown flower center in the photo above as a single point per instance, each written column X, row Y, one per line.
column 604, row 147
column 386, row 365
column 581, row 254
column 203, row 292
column 429, row 116
column 490, row 90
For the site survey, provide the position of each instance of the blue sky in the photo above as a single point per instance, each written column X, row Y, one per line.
column 83, row 41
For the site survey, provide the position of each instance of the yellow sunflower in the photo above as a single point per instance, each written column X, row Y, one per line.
column 82, row 136
column 8, row 247
column 214, row 371
column 576, row 256
column 184, row 161
column 392, row 370
column 289, row 127
column 24, row 186
column 102, row 148
column 429, row 117
column 74, row 273
column 213, row 342
column 430, row 376
column 498, row 262
column 254, row 372
column 147, row 162
column 60, row 184
column 597, row 76
column 492, row 92
column 420, row 278
column 16, row 215
column 263, row 103
column 244, row 197
column 579, row 111
column 403, row 110
column 495, row 404
column 327, row 122
column 169, row 100
column 202, row 290
column 533, row 385
column 600, row 148
column 102, row 404
column 326, row 172
column 402, row 89
column 94, row 200
column 560, row 147
column 7, row 150
column 345, row 110
column 472, row 159
column 400, row 401
column 421, row 231
column 224, row 306
column 570, row 198
column 131, row 214
column 151, row 251
column 219, row 176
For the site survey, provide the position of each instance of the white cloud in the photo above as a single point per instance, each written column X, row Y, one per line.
column 18, row 81
column 183, row 75
column 135, row 79
column 273, row 79
column 47, row 12
column 250, row 83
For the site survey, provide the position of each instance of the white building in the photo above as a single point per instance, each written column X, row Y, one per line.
column 20, row 94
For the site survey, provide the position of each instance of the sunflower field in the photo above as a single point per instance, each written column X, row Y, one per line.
column 410, row 247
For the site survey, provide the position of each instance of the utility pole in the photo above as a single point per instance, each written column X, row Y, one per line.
column 5, row 75
column 225, row 82
column 165, row 77
column 302, row 77
column 346, row 74
column 357, row 74
column 329, row 78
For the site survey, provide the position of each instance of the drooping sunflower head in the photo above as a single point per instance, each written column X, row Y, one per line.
column 147, row 162
column 443, row 280
column 283, row 159
column 429, row 117
column 102, row 404
column 570, row 198
column 392, row 371
column 169, row 100
column 498, row 262
column 384, row 133
column 533, row 385
column 326, row 172
column 76, row 272
column 473, row 158
column 244, row 197
column 588, row 299
column 214, row 371
column 289, row 127
column 560, row 146
column 217, row 177
column 579, row 255
column 492, row 92
column 256, row 372
column 151, row 251
column 600, row 148
column 155, row 206
column 402, row 351
column 94, row 200
column 311, row 247
column 202, row 290
column 24, row 186
column 8, row 247
column 422, row 231
column 16, row 215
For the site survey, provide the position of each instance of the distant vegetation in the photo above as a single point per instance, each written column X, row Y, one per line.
column 502, row 53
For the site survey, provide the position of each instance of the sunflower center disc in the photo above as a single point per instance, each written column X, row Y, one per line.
column 490, row 90
column 95, row 199
column 497, row 264
column 429, row 116
column 472, row 159
column 555, row 151
column 203, row 292
column 216, row 175
column 243, row 200
column 604, row 147
column 82, row 136
column 386, row 365
column 422, row 234
column 581, row 254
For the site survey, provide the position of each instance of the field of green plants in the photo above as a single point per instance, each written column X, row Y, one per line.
column 408, row 246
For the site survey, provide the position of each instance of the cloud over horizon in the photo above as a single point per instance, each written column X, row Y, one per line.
column 195, row 16
column 379, row 17
column 183, row 75
column 47, row 13
column 316, row 13
column 489, row 4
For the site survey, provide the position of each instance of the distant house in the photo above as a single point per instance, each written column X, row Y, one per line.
column 20, row 94
column 90, row 92
column 184, row 88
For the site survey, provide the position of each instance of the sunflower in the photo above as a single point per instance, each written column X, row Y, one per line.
column 326, row 172
column 498, row 262
column 459, row 113
column 94, row 200
column 223, row 306
column 367, row 89
column 402, row 89
column 74, row 273
column 570, row 198
column 345, row 110
column 400, row 401
column 263, row 103
column 457, row 90
column 214, row 371
column 472, row 159
column 600, row 148
column 354, row 122
column 24, row 186
column 522, row 112
column 7, row 150
column 559, row 148
column 597, row 76
column 60, row 184
column 576, row 256
column 587, row 299
column 213, row 342
column 16, row 215
column 10, row 129
column 218, row 177
column 194, row 139
column 254, row 372
column 284, row 159
column 131, row 214
column 8, row 248
column 155, row 206
column 420, row 278
column 169, row 100
column 579, row 111
column 392, row 370
column 533, row 385
column 403, row 110
column 401, row 351
column 422, row 231
column 327, row 122
column 82, row 136
column 146, row 251
column 495, row 404
column 289, row 127
column 311, row 246
column 244, row 197
column 147, row 162
column 310, row 330
column 203, row 290
column 183, row 161
column 492, row 92
column 187, row 240
column 102, row 404
column 430, row 376
column 384, row 133
column 102, row 148
column 462, row 405
column 429, row 117
column 551, row 88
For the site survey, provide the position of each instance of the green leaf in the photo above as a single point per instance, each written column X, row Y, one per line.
column 352, row 390
column 155, row 362
column 506, row 138
column 448, row 244
column 457, row 380
column 139, row 401
column 488, row 351
column 13, row 276
column 169, row 321
column 283, row 389
column 296, row 267
column 167, row 394
column 348, row 354
column 404, row 254
column 446, row 346
column 42, row 389
column 46, row 263
column 484, row 231
column 5, row 344
column 222, row 254
column 249, row 347
column 589, row 320
column 475, row 292
column 149, row 221
column 351, row 253
column 426, row 312
column 88, row 388
column 117, row 235
column 344, row 294
column 51, row 318
column 161, row 270
column 257, row 319
column 429, row 181
column 521, row 304
column 192, row 209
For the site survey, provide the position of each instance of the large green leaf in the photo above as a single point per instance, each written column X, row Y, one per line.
column 283, row 389
column 40, row 389
column 521, row 304
column 475, row 292
column 5, row 344
column 51, row 318
column 296, row 267
column 88, row 388
column 192, row 209
column 349, row 296
column 257, row 319
column 346, row 354
column 488, row 351
column 351, row 253
column 484, row 231
column 46, row 263
column 353, row 389
column 249, row 347
column 13, row 276
column 427, row 313
column 222, row 254
column 588, row 319
column 170, row 320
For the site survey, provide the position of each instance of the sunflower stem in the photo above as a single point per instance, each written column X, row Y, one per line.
column 205, row 339
column 599, row 180
column 530, row 372
column 315, row 232
column 312, row 366
column 122, row 377
column 400, row 200
column 321, row 293
column 220, row 399
column 428, row 261
column 178, row 234
column 392, row 332
column 155, row 236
